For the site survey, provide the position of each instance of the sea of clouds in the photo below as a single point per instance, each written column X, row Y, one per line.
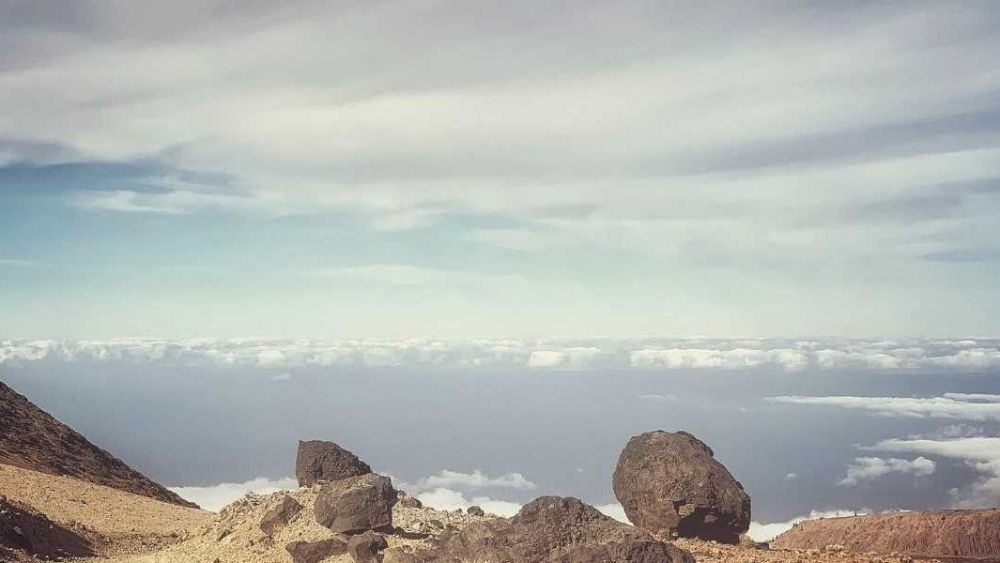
column 635, row 353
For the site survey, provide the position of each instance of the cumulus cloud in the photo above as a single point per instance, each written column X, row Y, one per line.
column 447, row 499
column 980, row 453
column 573, row 354
column 214, row 497
column 761, row 532
column 870, row 468
column 476, row 480
column 930, row 407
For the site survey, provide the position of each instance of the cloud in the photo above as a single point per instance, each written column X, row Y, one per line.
column 766, row 532
column 214, row 497
column 653, row 353
column 410, row 275
column 980, row 453
column 791, row 476
column 487, row 115
column 932, row 407
column 448, row 499
column 658, row 398
column 16, row 263
column 476, row 480
column 283, row 376
column 871, row 468
column 614, row 510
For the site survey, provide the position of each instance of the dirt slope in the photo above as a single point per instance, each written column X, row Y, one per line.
column 33, row 439
column 108, row 520
column 954, row 533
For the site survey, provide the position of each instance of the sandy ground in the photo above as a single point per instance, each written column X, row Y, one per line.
column 117, row 520
column 135, row 529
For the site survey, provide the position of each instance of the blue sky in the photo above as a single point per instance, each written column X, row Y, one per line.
column 446, row 169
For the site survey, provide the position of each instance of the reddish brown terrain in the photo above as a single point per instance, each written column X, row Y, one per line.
column 32, row 439
column 953, row 533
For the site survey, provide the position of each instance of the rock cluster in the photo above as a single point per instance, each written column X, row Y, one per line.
column 670, row 483
column 353, row 503
column 553, row 529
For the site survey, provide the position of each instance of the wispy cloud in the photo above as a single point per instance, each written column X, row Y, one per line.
column 411, row 275
column 930, row 407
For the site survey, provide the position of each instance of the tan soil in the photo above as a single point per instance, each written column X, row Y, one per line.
column 114, row 520
column 235, row 535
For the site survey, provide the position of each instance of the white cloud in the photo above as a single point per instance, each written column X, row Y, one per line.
column 448, row 499
column 214, row 497
column 766, row 532
column 936, row 407
column 791, row 476
column 283, row 376
column 870, row 468
column 658, row 398
column 980, row 453
column 410, row 275
column 476, row 480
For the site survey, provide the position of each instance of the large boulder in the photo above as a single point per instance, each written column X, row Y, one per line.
column 670, row 483
column 554, row 529
column 357, row 504
column 325, row 461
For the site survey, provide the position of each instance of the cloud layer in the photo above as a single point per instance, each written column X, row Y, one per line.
column 951, row 405
column 636, row 353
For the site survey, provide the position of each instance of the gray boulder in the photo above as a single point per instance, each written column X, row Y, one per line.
column 357, row 504
column 325, row 461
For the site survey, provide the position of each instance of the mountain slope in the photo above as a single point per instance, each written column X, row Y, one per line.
column 950, row 533
column 33, row 439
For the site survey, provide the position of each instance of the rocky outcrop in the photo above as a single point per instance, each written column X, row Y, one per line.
column 476, row 511
column 553, row 529
column 953, row 533
column 366, row 547
column 26, row 531
column 325, row 461
column 315, row 551
column 357, row 504
column 279, row 516
column 670, row 483
column 30, row 438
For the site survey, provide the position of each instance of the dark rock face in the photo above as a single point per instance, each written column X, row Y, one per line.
column 279, row 516
column 365, row 548
column 354, row 505
column 24, row 530
column 32, row 439
column 671, row 483
column 316, row 551
column 325, row 461
column 476, row 511
column 554, row 529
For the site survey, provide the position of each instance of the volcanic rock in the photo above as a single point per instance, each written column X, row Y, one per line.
column 554, row 529
column 476, row 511
column 407, row 501
column 670, row 483
column 325, row 461
column 279, row 516
column 356, row 504
column 24, row 530
column 967, row 534
column 31, row 438
column 364, row 548
column 316, row 551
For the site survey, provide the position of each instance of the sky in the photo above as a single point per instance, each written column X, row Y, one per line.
column 499, row 169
